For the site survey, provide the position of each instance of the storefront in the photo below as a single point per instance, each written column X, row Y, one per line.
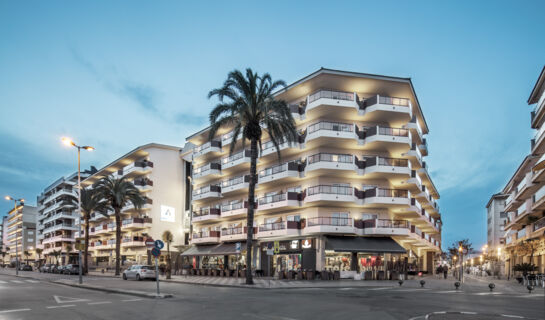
column 368, row 258
column 279, row 258
column 216, row 257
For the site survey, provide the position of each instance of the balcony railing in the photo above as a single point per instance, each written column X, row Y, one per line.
column 386, row 193
column 205, row 212
column 326, row 189
column 233, row 206
column 401, row 102
column 206, row 189
column 330, row 157
column 235, row 181
column 539, row 224
column 272, row 226
column 206, row 234
column 207, row 167
column 231, row 231
column 272, row 199
column 331, row 94
column 136, row 220
column 329, row 221
column 330, row 126
column 385, row 223
column 208, row 145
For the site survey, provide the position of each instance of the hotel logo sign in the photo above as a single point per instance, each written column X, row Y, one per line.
column 167, row 214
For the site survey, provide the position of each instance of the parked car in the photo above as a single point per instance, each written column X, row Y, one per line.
column 26, row 267
column 56, row 269
column 71, row 269
column 139, row 272
column 45, row 268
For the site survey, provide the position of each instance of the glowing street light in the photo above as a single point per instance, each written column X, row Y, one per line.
column 69, row 142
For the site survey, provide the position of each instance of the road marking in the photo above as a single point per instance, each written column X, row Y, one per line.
column 99, row 302
column 450, row 291
column 63, row 306
column 61, row 299
column 131, row 300
column 511, row 316
column 14, row 310
column 16, row 281
column 410, row 290
column 468, row 312
column 33, row 281
column 386, row 288
column 2, row 281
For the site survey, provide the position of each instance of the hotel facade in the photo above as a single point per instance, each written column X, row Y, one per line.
column 353, row 194
column 21, row 233
column 525, row 203
column 160, row 175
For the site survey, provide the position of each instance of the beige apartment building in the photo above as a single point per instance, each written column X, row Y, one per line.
column 353, row 194
column 526, row 190
column 160, row 174
column 21, row 233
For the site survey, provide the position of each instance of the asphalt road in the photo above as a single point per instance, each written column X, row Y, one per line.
column 23, row 298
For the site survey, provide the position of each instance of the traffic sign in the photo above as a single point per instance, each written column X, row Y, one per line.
column 150, row 243
column 276, row 247
column 155, row 252
column 237, row 247
column 159, row 244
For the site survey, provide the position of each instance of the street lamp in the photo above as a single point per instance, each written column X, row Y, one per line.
column 461, row 250
column 21, row 202
column 70, row 142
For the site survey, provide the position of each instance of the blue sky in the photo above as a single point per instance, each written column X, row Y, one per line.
column 118, row 74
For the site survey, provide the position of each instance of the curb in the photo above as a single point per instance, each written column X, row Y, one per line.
column 109, row 290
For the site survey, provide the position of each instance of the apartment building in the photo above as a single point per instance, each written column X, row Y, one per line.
column 160, row 174
column 58, row 219
column 496, row 218
column 526, row 189
column 21, row 232
column 352, row 194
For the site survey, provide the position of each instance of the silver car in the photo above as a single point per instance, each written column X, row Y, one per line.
column 139, row 272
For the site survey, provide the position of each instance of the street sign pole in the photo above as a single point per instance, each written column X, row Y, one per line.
column 157, row 274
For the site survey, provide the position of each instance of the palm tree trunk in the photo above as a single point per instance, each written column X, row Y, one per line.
column 169, row 266
column 117, row 241
column 251, row 205
column 86, row 245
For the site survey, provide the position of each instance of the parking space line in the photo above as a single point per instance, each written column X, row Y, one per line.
column 99, row 302
column 63, row 306
column 14, row 310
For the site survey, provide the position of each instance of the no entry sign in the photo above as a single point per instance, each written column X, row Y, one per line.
column 150, row 243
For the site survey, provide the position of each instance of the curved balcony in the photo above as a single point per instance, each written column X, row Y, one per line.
column 206, row 214
column 237, row 161
column 379, row 108
column 278, row 202
column 236, row 234
column 414, row 184
column 136, row 223
column 283, row 228
column 416, row 131
column 325, row 133
column 278, row 174
column 207, row 192
column 383, row 227
column 329, row 163
column 415, row 156
column 132, row 242
column 136, row 168
column 235, row 185
column 207, row 150
column 323, row 102
column 393, row 140
column 395, row 170
column 384, row 198
column 206, row 172
column 329, row 194
column 236, row 209
column 205, row 237
column 330, row 225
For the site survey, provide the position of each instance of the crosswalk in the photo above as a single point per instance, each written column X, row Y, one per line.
column 18, row 281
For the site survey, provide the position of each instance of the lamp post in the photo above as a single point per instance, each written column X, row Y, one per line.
column 21, row 202
column 461, row 276
column 69, row 142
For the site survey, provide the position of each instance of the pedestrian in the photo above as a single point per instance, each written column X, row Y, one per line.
column 445, row 271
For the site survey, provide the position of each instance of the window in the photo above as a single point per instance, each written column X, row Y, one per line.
column 30, row 232
column 340, row 218
column 369, row 216
column 294, row 218
column 503, row 214
column 295, row 189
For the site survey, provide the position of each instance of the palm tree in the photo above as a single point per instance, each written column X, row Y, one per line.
column 56, row 254
column 90, row 203
column 26, row 253
column 168, row 237
column 117, row 193
column 39, row 253
column 247, row 104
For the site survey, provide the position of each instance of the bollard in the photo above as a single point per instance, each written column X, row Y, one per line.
column 422, row 283
column 530, row 288
column 400, row 282
column 491, row 286
column 457, row 284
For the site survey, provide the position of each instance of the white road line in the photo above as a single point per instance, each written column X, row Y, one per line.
column 511, row 316
column 2, row 281
column 99, row 302
column 33, row 281
column 16, row 281
column 131, row 300
column 450, row 291
column 63, row 306
column 381, row 288
column 14, row 310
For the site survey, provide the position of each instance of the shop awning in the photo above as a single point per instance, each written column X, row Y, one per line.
column 199, row 250
column 363, row 244
column 228, row 248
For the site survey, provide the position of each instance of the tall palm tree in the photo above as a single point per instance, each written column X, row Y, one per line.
column 39, row 253
column 90, row 203
column 56, row 254
column 246, row 103
column 118, row 193
column 168, row 237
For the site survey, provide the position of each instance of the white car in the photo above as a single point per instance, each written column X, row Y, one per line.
column 139, row 272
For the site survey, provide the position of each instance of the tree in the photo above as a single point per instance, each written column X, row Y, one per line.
column 90, row 203
column 39, row 253
column 168, row 237
column 56, row 254
column 117, row 193
column 246, row 103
